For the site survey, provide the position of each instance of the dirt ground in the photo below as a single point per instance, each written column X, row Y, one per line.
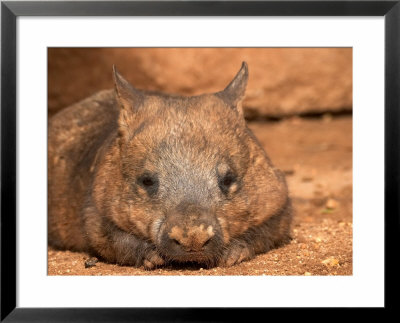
column 316, row 155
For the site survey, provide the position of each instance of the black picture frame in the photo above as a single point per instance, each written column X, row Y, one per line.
column 10, row 10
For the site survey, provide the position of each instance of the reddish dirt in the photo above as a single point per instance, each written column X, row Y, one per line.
column 316, row 155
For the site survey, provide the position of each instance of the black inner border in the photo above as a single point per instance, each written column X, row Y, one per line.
column 10, row 10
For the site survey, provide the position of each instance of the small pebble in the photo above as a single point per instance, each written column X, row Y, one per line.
column 331, row 204
column 295, row 120
column 91, row 262
column 288, row 172
column 330, row 262
column 327, row 117
column 307, row 179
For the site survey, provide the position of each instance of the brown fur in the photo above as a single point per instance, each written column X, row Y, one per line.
column 140, row 178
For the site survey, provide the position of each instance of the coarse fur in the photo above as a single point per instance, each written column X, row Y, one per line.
column 142, row 179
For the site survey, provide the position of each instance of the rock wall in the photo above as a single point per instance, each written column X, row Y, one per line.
column 282, row 81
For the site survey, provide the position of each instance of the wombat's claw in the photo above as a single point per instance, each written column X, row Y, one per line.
column 152, row 260
column 235, row 255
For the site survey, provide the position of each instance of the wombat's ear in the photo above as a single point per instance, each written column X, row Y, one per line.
column 128, row 98
column 234, row 93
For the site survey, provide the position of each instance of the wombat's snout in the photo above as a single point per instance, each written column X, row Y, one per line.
column 191, row 234
column 192, row 239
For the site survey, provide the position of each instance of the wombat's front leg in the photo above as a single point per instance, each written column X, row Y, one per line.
column 116, row 246
column 236, row 252
column 272, row 233
column 130, row 250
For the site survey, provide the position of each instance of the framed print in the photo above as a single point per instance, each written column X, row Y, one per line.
column 308, row 211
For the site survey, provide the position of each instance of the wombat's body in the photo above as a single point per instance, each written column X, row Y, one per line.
column 142, row 179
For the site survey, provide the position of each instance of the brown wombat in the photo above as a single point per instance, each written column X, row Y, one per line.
column 142, row 178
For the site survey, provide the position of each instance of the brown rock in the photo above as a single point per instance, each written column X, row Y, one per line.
column 283, row 81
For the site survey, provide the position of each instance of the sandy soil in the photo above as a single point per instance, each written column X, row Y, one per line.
column 316, row 155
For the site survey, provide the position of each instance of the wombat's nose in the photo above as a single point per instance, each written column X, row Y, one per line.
column 192, row 239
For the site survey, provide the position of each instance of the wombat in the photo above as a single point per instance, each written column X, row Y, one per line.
column 146, row 179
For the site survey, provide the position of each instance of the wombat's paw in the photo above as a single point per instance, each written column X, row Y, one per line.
column 235, row 254
column 152, row 260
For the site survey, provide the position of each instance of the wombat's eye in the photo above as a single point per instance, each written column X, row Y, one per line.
column 226, row 181
column 149, row 183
